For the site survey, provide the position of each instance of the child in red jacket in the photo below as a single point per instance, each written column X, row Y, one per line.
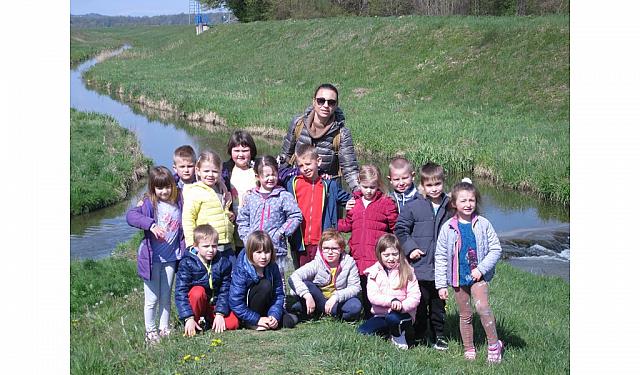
column 373, row 215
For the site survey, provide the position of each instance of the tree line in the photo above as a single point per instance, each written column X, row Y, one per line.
column 98, row 20
column 260, row 10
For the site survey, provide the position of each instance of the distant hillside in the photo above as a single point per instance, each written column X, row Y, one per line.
column 97, row 20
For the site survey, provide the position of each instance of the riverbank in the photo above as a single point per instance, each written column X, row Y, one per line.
column 105, row 159
column 469, row 93
column 107, row 333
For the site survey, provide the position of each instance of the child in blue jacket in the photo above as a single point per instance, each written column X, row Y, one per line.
column 257, row 295
column 202, row 285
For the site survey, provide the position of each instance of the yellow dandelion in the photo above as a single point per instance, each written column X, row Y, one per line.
column 186, row 357
column 196, row 358
column 360, row 372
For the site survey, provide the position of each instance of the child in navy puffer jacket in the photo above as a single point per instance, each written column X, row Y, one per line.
column 257, row 294
column 202, row 285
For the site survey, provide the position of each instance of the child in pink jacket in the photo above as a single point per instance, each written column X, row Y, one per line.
column 392, row 289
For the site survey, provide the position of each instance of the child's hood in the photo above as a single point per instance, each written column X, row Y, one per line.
column 373, row 271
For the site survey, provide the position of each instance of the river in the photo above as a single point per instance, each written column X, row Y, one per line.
column 534, row 234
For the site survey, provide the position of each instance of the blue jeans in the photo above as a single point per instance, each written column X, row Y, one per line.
column 394, row 323
column 348, row 310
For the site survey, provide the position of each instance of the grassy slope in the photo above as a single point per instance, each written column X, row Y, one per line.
column 488, row 94
column 86, row 43
column 106, row 161
column 107, row 329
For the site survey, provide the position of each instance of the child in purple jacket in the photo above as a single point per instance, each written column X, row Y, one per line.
column 160, row 250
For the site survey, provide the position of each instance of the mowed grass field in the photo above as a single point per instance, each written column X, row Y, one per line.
column 483, row 95
column 107, row 334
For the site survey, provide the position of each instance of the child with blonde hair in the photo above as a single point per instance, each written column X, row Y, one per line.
column 202, row 286
column 208, row 201
column 466, row 256
column 373, row 215
column 392, row 289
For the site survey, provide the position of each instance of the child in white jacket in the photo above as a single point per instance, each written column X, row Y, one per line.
column 329, row 284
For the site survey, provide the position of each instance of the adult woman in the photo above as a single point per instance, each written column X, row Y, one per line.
column 323, row 125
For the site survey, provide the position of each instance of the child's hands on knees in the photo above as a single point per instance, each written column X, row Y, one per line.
column 190, row 327
column 328, row 306
column 268, row 322
column 396, row 305
column 218, row 324
column 416, row 254
column 443, row 293
column 272, row 323
column 311, row 304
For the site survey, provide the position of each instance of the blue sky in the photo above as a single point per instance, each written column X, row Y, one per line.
column 129, row 7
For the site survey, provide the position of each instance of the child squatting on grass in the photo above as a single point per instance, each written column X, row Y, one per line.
column 208, row 202
column 163, row 245
column 394, row 293
column 466, row 256
column 257, row 295
column 202, row 285
column 329, row 284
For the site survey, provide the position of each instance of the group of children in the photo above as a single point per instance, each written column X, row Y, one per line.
column 223, row 230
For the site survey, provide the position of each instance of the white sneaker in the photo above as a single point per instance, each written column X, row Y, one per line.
column 400, row 341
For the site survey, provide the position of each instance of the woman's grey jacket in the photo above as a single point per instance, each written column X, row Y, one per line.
column 331, row 161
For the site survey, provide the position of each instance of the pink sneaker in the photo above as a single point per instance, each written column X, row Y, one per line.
column 494, row 352
column 470, row 354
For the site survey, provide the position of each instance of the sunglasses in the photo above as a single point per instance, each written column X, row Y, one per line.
column 330, row 102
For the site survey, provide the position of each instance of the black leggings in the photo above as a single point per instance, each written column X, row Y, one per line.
column 259, row 297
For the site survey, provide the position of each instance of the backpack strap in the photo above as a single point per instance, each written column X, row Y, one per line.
column 336, row 147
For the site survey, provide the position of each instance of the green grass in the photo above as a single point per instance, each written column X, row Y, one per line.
column 487, row 95
column 107, row 334
column 87, row 43
column 106, row 162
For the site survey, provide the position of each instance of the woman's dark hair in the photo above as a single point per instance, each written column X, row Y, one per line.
column 242, row 138
column 329, row 87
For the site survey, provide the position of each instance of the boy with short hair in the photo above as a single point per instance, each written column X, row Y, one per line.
column 401, row 179
column 318, row 199
column 184, row 163
column 202, row 285
column 417, row 229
